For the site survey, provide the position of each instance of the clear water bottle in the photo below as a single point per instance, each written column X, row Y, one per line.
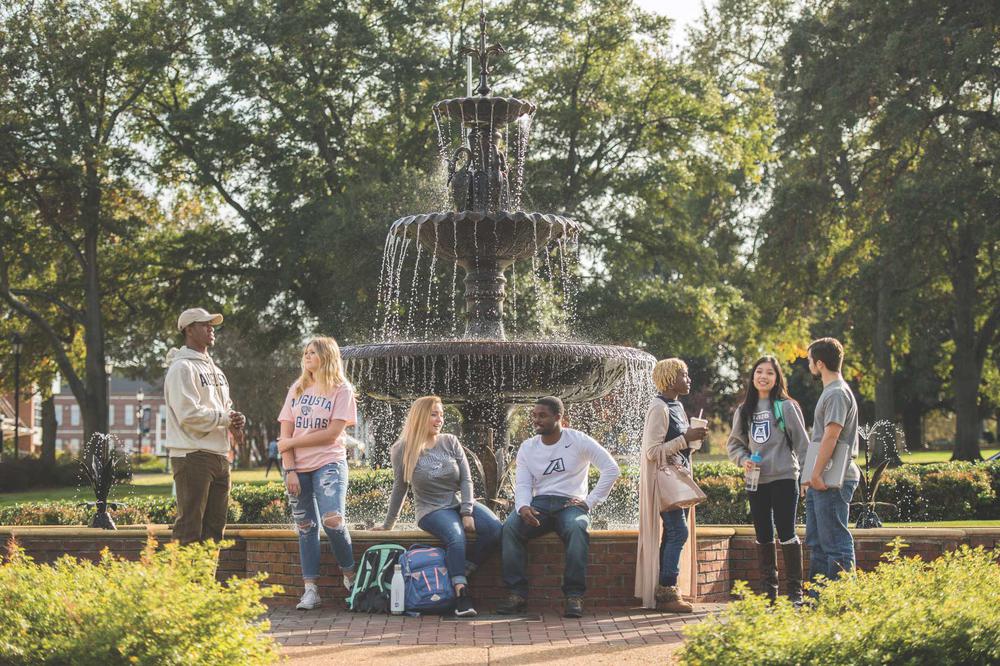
column 753, row 476
column 397, row 594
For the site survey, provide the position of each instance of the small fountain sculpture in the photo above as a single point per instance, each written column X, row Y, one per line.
column 101, row 462
column 480, row 371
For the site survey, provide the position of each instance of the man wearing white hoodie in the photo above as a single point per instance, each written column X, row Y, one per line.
column 199, row 420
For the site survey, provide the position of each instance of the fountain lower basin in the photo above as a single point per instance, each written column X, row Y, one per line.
column 464, row 371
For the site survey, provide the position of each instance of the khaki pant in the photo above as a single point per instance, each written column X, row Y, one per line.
column 202, row 480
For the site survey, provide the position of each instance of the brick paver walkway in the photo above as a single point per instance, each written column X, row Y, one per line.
column 323, row 635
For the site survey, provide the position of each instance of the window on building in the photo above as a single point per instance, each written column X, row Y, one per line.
column 111, row 414
column 59, row 415
column 74, row 445
column 129, row 415
column 58, row 442
column 74, row 415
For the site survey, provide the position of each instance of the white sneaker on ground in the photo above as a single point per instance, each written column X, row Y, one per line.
column 349, row 581
column 310, row 599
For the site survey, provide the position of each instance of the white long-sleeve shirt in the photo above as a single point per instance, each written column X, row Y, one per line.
column 561, row 469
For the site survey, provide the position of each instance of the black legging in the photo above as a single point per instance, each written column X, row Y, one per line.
column 779, row 499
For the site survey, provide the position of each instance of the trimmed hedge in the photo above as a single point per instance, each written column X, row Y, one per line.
column 943, row 491
column 165, row 609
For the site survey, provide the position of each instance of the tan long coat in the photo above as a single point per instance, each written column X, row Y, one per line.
column 647, row 561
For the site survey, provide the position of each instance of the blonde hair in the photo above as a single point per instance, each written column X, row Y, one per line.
column 330, row 373
column 414, row 437
column 665, row 373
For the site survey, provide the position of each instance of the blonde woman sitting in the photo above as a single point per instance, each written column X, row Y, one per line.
column 433, row 465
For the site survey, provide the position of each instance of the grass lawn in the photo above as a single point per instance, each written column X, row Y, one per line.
column 142, row 484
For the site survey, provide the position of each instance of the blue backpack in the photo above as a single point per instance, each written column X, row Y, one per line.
column 425, row 577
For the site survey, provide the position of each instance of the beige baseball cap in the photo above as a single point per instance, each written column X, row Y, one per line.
column 196, row 315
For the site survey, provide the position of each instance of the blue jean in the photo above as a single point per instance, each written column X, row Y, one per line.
column 571, row 523
column 446, row 525
column 831, row 546
column 324, row 492
column 675, row 535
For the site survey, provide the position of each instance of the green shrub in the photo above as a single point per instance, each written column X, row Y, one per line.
column 253, row 499
column 726, row 503
column 905, row 611
column 61, row 512
column 30, row 472
column 165, row 609
column 275, row 513
column 992, row 510
column 704, row 470
column 146, row 463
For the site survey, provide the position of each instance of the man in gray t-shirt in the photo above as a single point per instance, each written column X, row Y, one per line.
column 836, row 405
column 835, row 427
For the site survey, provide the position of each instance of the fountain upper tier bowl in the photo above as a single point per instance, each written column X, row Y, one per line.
column 517, row 372
column 471, row 235
column 484, row 111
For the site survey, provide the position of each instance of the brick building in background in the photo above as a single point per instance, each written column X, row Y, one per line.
column 123, row 417
column 29, row 433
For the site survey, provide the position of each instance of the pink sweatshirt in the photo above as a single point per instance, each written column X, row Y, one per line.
column 312, row 411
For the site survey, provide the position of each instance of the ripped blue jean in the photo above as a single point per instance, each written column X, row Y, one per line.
column 324, row 493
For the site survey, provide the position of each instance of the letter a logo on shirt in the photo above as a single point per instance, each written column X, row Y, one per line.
column 556, row 465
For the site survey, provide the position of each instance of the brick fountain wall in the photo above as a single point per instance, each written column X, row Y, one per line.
column 725, row 554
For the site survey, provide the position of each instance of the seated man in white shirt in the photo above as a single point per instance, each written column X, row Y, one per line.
column 550, row 493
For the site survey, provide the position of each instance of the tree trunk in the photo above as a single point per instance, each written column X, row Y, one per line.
column 49, row 427
column 913, row 425
column 966, row 369
column 885, row 397
column 94, row 406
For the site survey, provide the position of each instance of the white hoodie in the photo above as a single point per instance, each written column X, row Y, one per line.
column 197, row 396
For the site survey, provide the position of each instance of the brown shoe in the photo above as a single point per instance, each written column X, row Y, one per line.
column 515, row 605
column 671, row 601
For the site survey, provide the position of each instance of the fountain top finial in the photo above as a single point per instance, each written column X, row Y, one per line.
column 483, row 54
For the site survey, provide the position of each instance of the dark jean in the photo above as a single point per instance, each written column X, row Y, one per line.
column 774, row 505
column 446, row 525
column 675, row 535
column 831, row 546
column 571, row 523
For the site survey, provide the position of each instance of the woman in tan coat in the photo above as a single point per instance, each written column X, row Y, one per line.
column 665, row 539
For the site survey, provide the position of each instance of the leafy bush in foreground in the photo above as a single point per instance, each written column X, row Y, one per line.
column 905, row 611
column 165, row 609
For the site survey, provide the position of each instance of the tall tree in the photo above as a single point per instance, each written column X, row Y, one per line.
column 78, row 224
column 892, row 131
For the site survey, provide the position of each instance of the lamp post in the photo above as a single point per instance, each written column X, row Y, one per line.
column 18, row 346
column 109, row 367
column 139, row 395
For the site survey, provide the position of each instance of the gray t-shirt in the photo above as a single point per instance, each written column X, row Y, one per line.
column 837, row 405
column 441, row 480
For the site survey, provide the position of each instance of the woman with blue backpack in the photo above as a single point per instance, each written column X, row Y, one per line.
column 769, row 441
column 433, row 465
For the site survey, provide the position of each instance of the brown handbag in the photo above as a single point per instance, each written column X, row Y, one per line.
column 676, row 488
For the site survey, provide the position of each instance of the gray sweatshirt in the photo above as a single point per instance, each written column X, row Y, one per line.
column 440, row 476
column 779, row 461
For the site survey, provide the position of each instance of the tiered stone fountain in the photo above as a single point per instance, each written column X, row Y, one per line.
column 481, row 372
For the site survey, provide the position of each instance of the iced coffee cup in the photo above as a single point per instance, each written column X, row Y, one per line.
column 697, row 422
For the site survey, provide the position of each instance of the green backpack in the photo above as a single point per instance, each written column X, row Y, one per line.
column 779, row 414
column 373, row 580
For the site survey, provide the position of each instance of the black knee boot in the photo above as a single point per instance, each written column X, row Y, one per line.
column 792, row 554
column 767, row 557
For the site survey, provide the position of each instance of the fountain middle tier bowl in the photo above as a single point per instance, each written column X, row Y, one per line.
column 484, row 111
column 474, row 371
column 471, row 235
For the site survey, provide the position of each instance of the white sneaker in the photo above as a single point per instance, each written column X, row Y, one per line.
column 310, row 599
column 349, row 581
